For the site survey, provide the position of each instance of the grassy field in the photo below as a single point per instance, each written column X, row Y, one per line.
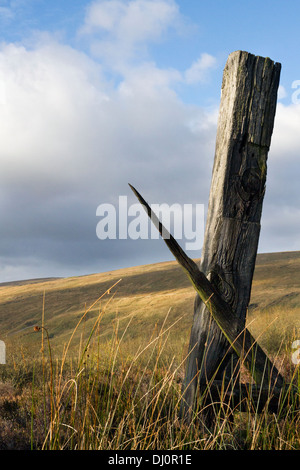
column 105, row 366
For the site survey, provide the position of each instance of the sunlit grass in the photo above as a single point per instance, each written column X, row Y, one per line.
column 277, row 327
column 122, row 391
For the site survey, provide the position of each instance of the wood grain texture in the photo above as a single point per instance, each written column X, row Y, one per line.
column 246, row 119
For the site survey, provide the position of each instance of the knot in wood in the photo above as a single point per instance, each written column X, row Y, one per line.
column 222, row 284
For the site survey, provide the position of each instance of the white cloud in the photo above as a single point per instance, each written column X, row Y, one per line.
column 285, row 140
column 49, row 94
column 149, row 80
column 132, row 22
column 103, row 15
column 281, row 92
column 118, row 29
column 280, row 218
column 198, row 70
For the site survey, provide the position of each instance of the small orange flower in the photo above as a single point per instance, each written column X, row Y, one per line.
column 36, row 328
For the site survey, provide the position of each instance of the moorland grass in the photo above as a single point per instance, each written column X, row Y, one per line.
column 121, row 393
column 104, row 370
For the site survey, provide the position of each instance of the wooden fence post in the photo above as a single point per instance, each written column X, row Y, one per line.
column 246, row 118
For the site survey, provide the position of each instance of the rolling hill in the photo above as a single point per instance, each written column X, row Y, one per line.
column 142, row 300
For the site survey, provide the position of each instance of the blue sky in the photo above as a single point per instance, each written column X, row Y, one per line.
column 267, row 28
column 94, row 95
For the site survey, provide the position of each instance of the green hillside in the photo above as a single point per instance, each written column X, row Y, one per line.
column 143, row 298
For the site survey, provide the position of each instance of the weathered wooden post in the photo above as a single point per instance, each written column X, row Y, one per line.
column 223, row 279
column 246, row 118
